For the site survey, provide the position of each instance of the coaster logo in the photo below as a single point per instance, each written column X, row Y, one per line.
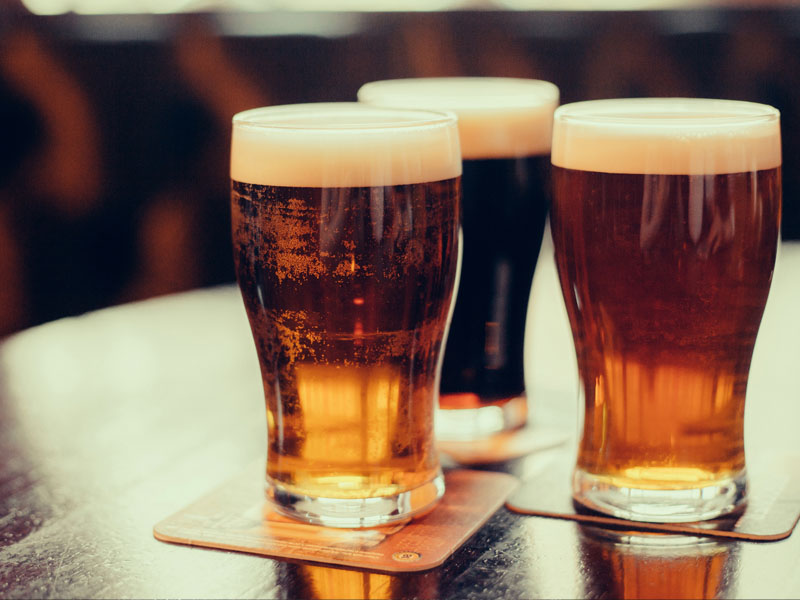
column 406, row 556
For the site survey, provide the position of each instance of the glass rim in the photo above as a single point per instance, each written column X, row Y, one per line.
column 634, row 113
column 290, row 117
column 510, row 92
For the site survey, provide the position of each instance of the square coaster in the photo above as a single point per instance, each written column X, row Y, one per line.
column 771, row 514
column 235, row 516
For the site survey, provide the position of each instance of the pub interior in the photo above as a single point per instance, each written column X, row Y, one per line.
column 114, row 166
column 115, row 126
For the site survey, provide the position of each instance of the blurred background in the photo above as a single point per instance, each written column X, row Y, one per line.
column 115, row 114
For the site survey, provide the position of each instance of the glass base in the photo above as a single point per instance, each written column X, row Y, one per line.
column 465, row 424
column 354, row 512
column 685, row 505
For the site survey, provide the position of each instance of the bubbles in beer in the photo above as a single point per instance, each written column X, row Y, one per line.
column 348, row 298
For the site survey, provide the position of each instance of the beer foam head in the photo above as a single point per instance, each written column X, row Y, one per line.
column 673, row 136
column 498, row 117
column 343, row 144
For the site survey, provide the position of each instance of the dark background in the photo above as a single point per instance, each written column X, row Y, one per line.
column 114, row 130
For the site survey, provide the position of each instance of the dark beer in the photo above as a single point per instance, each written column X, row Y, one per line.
column 348, row 290
column 505, row 128
column 503, row 218
column 665, row 277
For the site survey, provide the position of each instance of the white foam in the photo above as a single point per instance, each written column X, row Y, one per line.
column 678, row 136
column 343, row 144
column 498, row 117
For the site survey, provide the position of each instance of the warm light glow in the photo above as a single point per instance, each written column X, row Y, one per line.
column 99, row 7
column 107, row 7
column 109, row 360
column 591, row 5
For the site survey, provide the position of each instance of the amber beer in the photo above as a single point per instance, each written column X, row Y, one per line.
column 345, row 227
column 505, row 127
column 665, row 224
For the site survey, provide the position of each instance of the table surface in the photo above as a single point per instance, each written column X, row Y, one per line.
column 111, row 421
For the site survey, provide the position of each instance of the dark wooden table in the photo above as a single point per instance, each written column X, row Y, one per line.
column 114, row 420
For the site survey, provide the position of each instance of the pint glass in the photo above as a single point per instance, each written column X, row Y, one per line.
column 505, row 126
column 665, row 224
column 345, row 226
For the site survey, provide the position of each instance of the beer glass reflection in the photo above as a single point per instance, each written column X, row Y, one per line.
column 665, row 224
column 345, row 228
column 325, row 583
column 641, row 565
column 505, row 127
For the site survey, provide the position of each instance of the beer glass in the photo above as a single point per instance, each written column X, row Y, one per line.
column 345, row 224
column 665, row 223
column 505, row 126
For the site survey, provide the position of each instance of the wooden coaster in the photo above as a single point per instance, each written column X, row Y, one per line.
column 771, row 514
column 236, row 517
column 504, row 446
